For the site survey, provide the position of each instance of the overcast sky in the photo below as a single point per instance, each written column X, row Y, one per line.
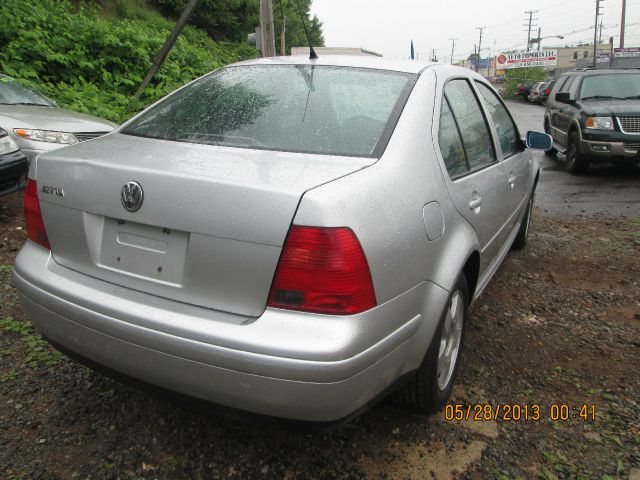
column 388, row 27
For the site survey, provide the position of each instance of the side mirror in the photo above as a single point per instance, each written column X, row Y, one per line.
column 539, row 141
column 563, row 97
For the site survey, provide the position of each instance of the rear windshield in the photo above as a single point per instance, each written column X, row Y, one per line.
column 296, row 108
column 619, row 85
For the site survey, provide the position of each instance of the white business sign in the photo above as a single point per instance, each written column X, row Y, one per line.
column 542, row 58
column 626, row 52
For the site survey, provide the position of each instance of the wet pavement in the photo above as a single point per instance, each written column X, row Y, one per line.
column 606, row 189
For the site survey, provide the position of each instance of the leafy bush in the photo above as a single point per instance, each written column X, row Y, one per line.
column 516, row 76
column 94, row 63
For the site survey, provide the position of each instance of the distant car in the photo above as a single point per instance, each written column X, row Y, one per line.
column 286, row 236
column 536, row 92
column 13, row 165
column 594, row 116
column 523, row 90
column 546, row 91
column 38, row 125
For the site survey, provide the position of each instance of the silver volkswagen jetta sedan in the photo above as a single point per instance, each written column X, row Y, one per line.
column 288, row 237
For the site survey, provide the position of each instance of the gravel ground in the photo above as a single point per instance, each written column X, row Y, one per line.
column 559, row 324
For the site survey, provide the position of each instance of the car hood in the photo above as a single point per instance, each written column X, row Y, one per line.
column 620, row 108
column 51, row 118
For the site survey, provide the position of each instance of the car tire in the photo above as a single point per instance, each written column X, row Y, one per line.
column 430, row 386
column 523, row 234
column 576, row 162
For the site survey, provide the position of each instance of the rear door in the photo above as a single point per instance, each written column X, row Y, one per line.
column 514, row 159
column 477, row 183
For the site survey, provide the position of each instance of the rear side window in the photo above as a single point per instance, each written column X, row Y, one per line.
column 507, row 130
column 474, row 131
column 295, row 108
column 451, row 143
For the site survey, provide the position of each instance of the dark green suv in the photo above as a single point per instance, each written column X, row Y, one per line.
column 594, row 116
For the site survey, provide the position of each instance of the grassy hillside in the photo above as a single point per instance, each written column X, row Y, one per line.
column 91, row 57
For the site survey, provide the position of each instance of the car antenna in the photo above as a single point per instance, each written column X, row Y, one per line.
column 312, row 52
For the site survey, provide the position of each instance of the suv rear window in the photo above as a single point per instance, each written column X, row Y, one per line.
column 296, row 108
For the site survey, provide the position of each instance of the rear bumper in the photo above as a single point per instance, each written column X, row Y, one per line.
column 283, row 364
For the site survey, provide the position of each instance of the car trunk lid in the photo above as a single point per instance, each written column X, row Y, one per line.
column 211, row 225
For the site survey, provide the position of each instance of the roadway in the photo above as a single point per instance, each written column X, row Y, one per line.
column 607, row 189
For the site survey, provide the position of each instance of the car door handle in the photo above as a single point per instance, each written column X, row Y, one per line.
column 475, row 202
column 512, row 180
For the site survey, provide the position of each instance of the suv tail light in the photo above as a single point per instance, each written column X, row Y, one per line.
column 322, row 270
column 33, row 216
column 547, row 91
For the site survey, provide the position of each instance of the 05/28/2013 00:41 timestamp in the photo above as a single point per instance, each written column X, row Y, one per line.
column 505, row 412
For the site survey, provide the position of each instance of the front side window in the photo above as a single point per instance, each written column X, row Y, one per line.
column 567, row 85
column 474, row 130
column 296, row 108
column 507, row 131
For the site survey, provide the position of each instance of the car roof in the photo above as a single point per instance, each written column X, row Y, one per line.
column 356, row 61
column 604, row 71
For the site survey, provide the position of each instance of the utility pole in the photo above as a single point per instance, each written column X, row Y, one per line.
column 539, row 37
column 166, row 48
column 529, row 25
column 622, row 20
column 595, row 33
column 283, row 30
column 479, row 47
column 600, row 34
column 266, row 29
column 453, row 45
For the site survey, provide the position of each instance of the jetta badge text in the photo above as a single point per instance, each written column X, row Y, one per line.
column 57, row 191
column 132, row 196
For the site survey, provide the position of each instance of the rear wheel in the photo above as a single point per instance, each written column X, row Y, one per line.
column 576, row 163
column 430, row 386
column 523, row 234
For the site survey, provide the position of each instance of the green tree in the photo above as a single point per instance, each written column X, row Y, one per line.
column 295, row 36
column 221, row 19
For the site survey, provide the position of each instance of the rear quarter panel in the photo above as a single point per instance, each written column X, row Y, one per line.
column 383, row 204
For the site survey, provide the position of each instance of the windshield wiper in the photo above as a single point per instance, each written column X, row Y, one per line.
column 25, row 103
column 602, row 97
column 632, row 97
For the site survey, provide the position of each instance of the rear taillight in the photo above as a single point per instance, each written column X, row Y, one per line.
column 33, row 216
column 322, row 270
column 547, row 91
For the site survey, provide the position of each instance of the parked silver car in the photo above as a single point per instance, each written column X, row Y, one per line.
column 38, row 125
column 289, row 237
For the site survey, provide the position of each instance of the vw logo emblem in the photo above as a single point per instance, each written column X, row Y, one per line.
column 132, row 196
